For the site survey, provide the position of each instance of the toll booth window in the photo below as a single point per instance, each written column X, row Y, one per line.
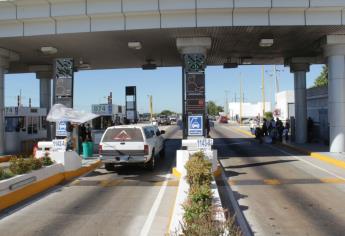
column 33, row 123
column 96, row 123
column 44, row 122
column 22, row 123
column 12, row 124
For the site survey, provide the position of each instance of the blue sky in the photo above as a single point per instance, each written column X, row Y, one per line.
column 164, row 84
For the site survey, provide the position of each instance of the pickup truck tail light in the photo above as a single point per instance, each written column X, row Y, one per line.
column 99, row 149
column 146, row 149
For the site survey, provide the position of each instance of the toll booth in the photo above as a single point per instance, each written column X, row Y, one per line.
column 109, row 114
column 23, row 127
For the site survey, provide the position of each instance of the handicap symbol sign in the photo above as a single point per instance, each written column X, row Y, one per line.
column 195, row 125
column 61, row 128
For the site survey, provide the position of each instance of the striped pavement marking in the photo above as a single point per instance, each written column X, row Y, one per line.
column 286, row 181
column 123, row 182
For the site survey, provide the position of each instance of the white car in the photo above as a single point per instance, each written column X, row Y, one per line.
column 131, row 144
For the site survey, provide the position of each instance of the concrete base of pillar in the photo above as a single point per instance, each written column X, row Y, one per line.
column 337, row 135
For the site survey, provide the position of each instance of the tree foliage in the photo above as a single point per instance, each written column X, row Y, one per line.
column 167, row 112
column 268, row 115
column 213, row 109
column 322, row 79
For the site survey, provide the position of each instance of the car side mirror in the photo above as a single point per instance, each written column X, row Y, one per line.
column 162, row 131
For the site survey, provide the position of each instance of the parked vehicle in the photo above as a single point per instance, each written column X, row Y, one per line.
column 163, row 120
column 131, row 144
column 223, row 119
column 173, row 119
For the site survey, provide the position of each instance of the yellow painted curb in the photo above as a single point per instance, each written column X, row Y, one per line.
column 176, row 173
column 328, row 159
column 19, row 195
column 218, row 172
column 245, row 132
column 28, row 191
column 75, row 173
column 5, row 158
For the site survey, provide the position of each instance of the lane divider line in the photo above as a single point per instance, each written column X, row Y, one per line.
column 308, row 162
column 314, row 155
column 240, row 218
column 149, row 220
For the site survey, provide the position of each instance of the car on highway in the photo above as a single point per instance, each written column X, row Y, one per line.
column 173, row 119
column 223, row 119
column 137, row 144
column 164, row 120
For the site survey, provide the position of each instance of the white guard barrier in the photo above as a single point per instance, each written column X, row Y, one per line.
column 56, row 149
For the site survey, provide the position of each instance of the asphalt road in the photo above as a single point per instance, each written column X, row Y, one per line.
column 129, row 201
column 278, row 192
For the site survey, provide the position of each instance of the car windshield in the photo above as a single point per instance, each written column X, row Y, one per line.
column 123, row 135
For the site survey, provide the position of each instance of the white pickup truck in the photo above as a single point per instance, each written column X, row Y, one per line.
column 131, row 144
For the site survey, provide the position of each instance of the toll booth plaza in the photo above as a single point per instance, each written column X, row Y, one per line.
column 269, row 184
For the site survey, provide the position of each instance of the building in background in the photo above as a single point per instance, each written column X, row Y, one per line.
column 24, row 126
column 249, row 110
column 317, row 109
column 285, row 105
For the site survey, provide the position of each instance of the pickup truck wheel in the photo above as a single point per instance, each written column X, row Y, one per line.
column 151, row 164
column 109, row 166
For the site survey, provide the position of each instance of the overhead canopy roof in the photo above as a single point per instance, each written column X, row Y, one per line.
column 97, row 31
column 104, row 50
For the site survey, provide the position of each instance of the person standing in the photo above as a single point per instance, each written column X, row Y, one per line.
column 208, row 127
column 280, row 128
column 286, row 130
column 83, row 132
column 88, row 133
column 264, row 127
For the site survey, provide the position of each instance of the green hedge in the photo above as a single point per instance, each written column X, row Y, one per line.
column 20, row 165
column 198, row 216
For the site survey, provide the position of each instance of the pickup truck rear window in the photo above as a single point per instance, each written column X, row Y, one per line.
column 123, row 135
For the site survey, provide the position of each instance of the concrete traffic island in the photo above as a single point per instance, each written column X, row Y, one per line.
column 22, row 187
column 182, row 157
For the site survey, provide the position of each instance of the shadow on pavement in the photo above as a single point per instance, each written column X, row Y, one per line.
column 258, row 164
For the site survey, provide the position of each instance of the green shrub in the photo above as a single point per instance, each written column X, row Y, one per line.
column 5, row 174
column 19, row 165
column 35, row 163
column 198, row 170
column 46, row 161
column 199, row 212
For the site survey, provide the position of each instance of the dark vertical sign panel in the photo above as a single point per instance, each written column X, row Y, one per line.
column 63, row 81
column 195, row 93
column 131, row 104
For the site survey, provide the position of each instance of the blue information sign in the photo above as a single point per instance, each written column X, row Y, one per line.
column 195, row 125
column 61, row 128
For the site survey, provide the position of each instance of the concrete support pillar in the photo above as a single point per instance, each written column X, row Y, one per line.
column 335, row 54
column 193, row 51
column 45, row 94
column 3, row 66
column 299, row 71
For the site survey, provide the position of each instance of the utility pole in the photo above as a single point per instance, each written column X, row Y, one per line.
column 226, row 106
column 263, row 90
column 241, row 99
column 150, row 107
column 276, row 79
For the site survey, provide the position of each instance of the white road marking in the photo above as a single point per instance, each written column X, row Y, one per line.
column 308, row 162
column 298, row 158
column 149, row 220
